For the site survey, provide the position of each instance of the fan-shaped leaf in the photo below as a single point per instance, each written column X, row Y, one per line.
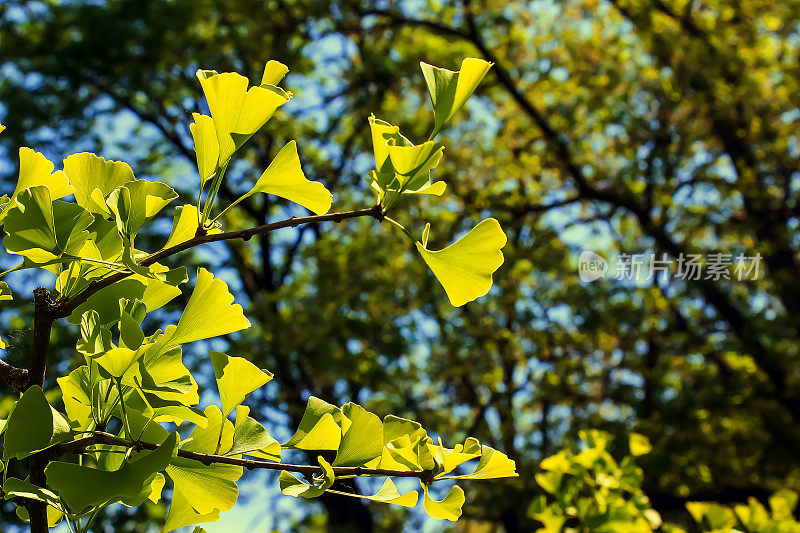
column 465, row 267
column 33, row 426
column 200, row 492
column 36, row 170
column 388, row 493
column 318, row 429
column 88, row 173
column 251, row 438
column 448, row 508
column 81, row 487
column 42, row 230
column 284, row 177
column 209, row 313
column 236, row 379
column 449, row 90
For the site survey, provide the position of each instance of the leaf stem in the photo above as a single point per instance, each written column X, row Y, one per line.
column 81, row 444
column 403, row 228
column 66, row 306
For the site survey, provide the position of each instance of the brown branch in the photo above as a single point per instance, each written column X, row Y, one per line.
column 15, row 377
column 65, row 307
column 43, row 319
column 79, row 445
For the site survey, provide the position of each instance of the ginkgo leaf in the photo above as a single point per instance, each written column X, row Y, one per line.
column 184, row 226
column 251, row 438
column 88, row 173
column 13, row 487
column 291, row 486
column 382, row 134
column 414, row 163
column 81, row 487
column 448, row 459
column 492, row 465
column 36, row 170
column 236, row 111
column 363, row 440
column 449, row 90
column 284, row 177
column 161, row 372
column 117, row 361
column 200, row 492
column 137, row 201
column 388, row 493
column 399, row 163
column 42, row 230
column 465, row 267
column 33, row 426
column 236, row 379
column 449, row 508
column 77, row 395
column 216, row 438
column 435, row 189
column 209, row 313
column 274, row 71
column 206, row 146
column 405, row 445
column 318, row 429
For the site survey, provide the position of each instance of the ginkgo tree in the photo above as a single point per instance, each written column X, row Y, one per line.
column 130, row 420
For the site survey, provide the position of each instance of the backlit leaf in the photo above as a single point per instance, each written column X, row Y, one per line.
column 81, row 487
column 284, row 177
column 36, row 170
column 465, row 267
column 449, row 90
column 236, row 379
column 89, row 173
column 41, row 230
column 33, row 426
column 449, row 508
column 209, row 313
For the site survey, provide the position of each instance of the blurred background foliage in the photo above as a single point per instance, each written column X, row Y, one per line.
column 618, row 126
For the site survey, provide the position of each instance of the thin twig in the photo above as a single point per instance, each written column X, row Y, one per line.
column 64, row 308
column 207, row 459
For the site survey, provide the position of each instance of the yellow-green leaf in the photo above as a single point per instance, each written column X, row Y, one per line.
column 318, row 429
column 449, row 508
column 209, row 313
column 284, row 177
column 33, row 426
column 36, row 170
column 639, row 444
column 236, row 379
column 449, row 90
column 493, row 464
column 200, row 492
column 206, row 146
column 42, row 230
column 388, row 493
column 465, row 267
column 88, row 173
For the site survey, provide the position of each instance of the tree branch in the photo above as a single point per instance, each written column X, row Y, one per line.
column 79, row 445
column 15, row 377
column 65, row 307
column 43, row 319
